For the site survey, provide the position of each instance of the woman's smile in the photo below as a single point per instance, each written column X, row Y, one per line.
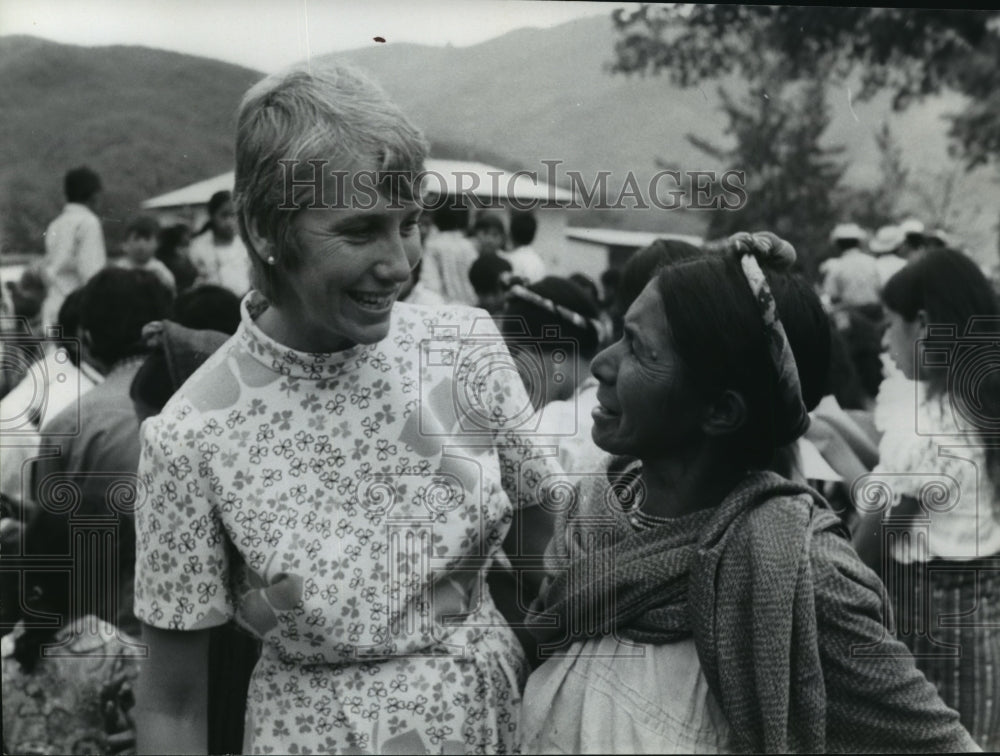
column 374, row 301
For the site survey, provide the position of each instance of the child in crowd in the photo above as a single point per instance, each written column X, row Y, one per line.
column 525, row 261
column 174, row 251
column 489, row 234
column 448, row 254
column 141, row 239
column 490, row 276
column 217, row 251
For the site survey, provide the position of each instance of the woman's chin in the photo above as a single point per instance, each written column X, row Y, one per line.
column 603, row 436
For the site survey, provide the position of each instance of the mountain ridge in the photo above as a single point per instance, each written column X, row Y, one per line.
column 153, row 120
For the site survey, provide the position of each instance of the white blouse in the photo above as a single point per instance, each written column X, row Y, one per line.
column 609, row 696
column 929, row 454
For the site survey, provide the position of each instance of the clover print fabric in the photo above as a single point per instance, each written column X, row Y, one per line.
column 343, row 507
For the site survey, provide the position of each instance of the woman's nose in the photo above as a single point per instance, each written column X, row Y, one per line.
column 397, row 261
column 603, row 366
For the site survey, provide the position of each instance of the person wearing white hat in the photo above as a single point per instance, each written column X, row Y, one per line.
column 884, row 246
column 851, row 279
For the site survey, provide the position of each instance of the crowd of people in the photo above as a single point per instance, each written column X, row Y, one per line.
column 364, row 478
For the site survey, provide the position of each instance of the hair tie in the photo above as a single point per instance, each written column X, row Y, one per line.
column 751, row 248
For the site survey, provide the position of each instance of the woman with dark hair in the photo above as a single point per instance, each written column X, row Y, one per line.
column 639, row 271
column 939, row 473
column 711, row 605
column 646, row 263
column 217, row 252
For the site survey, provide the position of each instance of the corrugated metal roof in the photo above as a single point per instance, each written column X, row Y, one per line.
column 616, row 237
column 453, row 176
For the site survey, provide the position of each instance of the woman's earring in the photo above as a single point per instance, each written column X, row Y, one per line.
column 270, row 260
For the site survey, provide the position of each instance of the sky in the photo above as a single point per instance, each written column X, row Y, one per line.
column 269, row 34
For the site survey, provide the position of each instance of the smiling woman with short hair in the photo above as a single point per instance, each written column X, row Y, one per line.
column 326, row 479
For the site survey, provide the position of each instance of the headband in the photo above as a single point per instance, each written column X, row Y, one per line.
column 517, row 291
column 750, row 248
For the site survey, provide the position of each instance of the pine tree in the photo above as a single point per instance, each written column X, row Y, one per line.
column 791, row 178
column 881, row 204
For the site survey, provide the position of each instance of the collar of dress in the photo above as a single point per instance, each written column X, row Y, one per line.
column 287, row 361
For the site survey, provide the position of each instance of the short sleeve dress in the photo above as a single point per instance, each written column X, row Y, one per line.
column 344, row 508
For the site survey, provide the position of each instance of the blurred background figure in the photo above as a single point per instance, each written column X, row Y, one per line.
column 24, row 332
column 939, row 239
column 217, row 251
column 489, row 234
column 524, row 260
column 60, row 375
column 57, row 378
column 553, row 331
column 609, row 284
column 885, row 246
column 850, row 279
column 490, row 276
column 96, row 439
column 78, row 697
column 174, row 250
column 416, row 293
column 942, row 551
column 208, row 307
column 139, row 248
column 915, row 241
column 448, row 255
column 74, row 242
column 851, row 288
column 586, row 283
column 27, row 298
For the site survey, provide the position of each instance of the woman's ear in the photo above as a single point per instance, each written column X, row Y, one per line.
column 725, row 415
column 260, row 245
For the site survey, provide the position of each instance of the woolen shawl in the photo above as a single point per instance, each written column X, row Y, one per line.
column 739, row 578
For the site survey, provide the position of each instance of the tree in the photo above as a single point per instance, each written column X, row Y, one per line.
column 881, row 204
column 912, row 53
column 791, row 178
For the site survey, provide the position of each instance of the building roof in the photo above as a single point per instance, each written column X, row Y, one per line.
column 453, row 176
column 616, row 237
column 192, row 194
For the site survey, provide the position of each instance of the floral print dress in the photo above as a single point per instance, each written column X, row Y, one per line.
column 343, row 507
